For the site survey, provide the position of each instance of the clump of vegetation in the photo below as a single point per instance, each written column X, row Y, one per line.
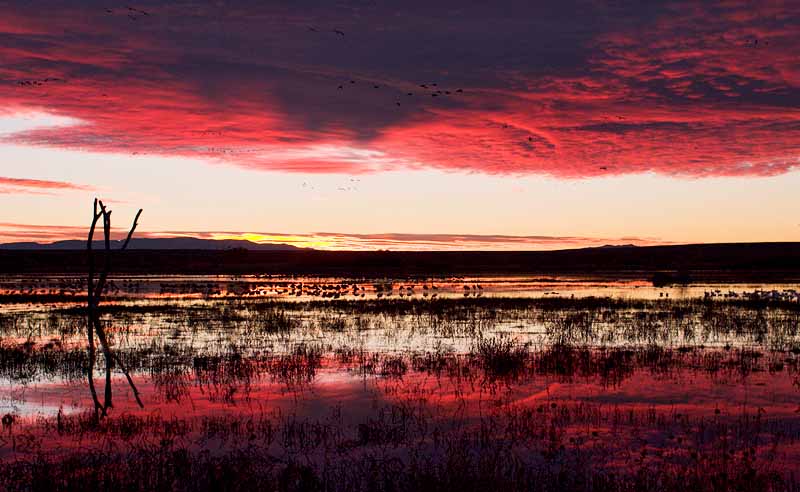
column 298, row 367
column 500, row 357
column 272, row 319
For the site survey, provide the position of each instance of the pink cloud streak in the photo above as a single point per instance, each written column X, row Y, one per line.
column 13, row 186
column 13, row 232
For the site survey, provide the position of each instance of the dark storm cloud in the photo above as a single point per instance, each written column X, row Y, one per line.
column 569, row 89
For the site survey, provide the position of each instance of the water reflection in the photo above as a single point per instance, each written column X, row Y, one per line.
column 542, row 389
column 67, row 288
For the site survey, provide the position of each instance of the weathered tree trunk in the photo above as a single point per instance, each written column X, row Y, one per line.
column 93, row 324
column 90, row 314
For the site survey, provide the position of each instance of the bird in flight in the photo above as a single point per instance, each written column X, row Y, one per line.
column 137, row 11
column 39, row 82
column 337, row 31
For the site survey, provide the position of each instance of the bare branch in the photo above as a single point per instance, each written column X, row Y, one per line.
column 133, row 228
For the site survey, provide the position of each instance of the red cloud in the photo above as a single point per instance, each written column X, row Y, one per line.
column 36, row 186
column 680, row 90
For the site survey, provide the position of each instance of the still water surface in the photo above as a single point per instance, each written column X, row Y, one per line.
column 607, row 368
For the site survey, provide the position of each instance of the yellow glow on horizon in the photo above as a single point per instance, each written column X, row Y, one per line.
column 299, row 241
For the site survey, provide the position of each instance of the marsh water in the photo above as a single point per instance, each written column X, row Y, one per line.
column 469, row 382
column 55, row 287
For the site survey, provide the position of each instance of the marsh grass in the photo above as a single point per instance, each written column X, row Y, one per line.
column 425, row 366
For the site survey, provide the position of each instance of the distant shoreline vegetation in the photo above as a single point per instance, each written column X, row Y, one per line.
column 660, row 265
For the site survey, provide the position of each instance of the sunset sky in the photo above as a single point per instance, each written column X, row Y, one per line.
column 540, row 125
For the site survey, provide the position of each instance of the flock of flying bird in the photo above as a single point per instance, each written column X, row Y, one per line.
column 431, row 89
column 38, row 82
column 132, row 13
column 351, row 185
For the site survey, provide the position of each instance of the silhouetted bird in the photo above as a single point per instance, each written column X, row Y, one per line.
column 312, row 29
column 459, row 90
column 398, row 104
column 376, row 87
column 423, row 86
column 603, row 168
column 137, row 11
column 341, row 87
column 410, row 94
column 340, row 33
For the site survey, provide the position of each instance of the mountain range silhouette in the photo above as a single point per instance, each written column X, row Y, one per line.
column 171, row 243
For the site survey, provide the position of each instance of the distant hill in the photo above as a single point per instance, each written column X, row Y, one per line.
column 615, row 246
column 171, row 243
column 757, row 262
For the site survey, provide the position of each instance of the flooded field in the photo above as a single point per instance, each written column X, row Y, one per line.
column 477, row 383
column 37, row 289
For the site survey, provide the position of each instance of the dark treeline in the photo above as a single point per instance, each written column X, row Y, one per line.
column 680, row 263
